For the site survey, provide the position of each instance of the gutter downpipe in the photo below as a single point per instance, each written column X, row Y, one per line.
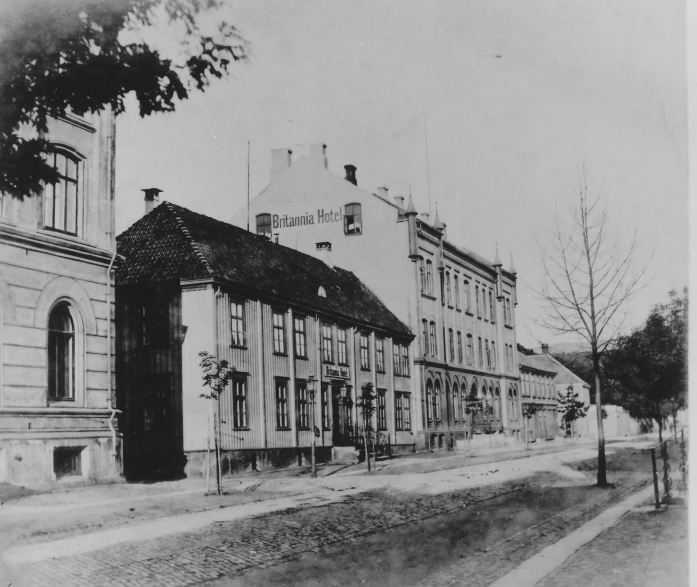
column 114, row 411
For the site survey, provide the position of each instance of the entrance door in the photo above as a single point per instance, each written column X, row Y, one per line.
column 341, row 417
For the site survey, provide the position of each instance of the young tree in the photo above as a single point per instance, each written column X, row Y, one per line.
column 588, row 279
column 366, row 402
column 528, row 411
column 216, row 376
column 570, row 408
column 648, row 368
column 79, row 56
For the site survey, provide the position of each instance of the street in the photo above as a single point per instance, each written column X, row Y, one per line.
column 436, row 527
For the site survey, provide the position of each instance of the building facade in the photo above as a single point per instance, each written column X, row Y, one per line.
column 289, row 324
column 460, row 305
column 57, row 250
column 539, row 397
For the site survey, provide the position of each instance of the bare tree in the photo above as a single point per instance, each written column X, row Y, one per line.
column 588, row 279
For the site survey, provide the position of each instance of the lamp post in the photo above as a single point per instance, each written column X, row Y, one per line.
column 311, row 383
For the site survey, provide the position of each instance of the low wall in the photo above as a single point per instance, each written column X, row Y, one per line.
column 246, row 461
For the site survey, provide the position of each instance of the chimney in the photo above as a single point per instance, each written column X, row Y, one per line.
column 382, row 192
column 280, row 161
column 399, row 200
column 351, row 173
column 545, row 349
column 152, row 199
column 324, row 252
column 318, row 154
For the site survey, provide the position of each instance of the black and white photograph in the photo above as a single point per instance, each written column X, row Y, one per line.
column 332, row 293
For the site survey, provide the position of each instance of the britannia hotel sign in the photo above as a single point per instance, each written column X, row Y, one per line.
column 330, row 371
column 323, row 216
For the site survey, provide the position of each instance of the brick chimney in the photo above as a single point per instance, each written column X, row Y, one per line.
column 351, row 173
column 399, row 200
column 324, row 252
column 152, row 199
column 382, row 192
column 318, row 154
column 280, row 161
column 545, row 349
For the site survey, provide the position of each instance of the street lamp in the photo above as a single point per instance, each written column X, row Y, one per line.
column 311, row 384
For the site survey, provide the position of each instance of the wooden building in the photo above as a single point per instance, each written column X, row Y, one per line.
column 281, row 318
column 57, row 249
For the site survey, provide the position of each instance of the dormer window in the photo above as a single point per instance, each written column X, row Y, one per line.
column 353, row 219
column 264, row 225
column 62, row 199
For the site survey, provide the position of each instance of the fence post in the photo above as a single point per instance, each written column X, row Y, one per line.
column 657, row 497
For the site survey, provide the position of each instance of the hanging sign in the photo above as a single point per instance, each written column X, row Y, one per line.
column 337, row 372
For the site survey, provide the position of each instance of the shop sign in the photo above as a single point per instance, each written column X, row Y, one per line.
column 337, row 372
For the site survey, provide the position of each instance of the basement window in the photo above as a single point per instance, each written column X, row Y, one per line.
column 67, row 461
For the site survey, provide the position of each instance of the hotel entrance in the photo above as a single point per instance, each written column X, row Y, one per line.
column 341, row 414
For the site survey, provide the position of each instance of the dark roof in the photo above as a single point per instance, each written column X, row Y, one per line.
column 537, row 363
column 173, row 243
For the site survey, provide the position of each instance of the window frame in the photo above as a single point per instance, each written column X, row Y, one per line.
column 364, row 351
column 341, row 345
column 327, row 343
column 379, row 354
column 300, row 337
column 67, row 339
column 433, row 340
column 302, row 405
column 238, row 325
column 55, row 150
column 357, row 225
column 279, row 332
column 264, row 233
column 282, row 415
column 240, row 409
column 381, row 410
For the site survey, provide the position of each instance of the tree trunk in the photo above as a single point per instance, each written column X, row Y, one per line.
column 660, row 430
column 602, row 464
column 216, row 432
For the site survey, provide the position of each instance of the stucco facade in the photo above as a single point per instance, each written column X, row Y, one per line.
column 447, row 295
column 56, row 248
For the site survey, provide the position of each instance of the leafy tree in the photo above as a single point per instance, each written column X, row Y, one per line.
column 570, row 408
column 367, row 403
column 216, row 376
column 648, row 368
column 80, row 56
column 588, row 280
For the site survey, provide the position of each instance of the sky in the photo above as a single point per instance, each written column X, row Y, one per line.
column 490, row 106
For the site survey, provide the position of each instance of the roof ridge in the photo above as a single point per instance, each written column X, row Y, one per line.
column 185, row 230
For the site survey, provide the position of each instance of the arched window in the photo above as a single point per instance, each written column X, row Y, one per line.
column 480, row 354
column 476, row 301
column 470, row 349
column 456, row 402
column 436, row 401
column 264, row 225
column 429, row 401
column 61, row 353
column 468, row 307
column 487, row 353
column 353, row 223
column 62, row 199
column 433, row 340
column 429, row 277
column 493, row 355
column 424, row 323
column 497, row 404
column 448, row 297
column 491, row 306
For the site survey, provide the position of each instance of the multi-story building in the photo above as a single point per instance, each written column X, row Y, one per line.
column 461, row 305
column 57, row 250
column 538, row 396
column 291, row 325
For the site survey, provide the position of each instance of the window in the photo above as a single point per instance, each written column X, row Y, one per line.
column 264, row 225
column 282, row 422
column 405, row 360
column 365, row 355
column 508, row 309
column 67, row 460
column 61, row 354
column 341, row 346
column 432, row 340
column 436, row 401
column 476, row 301
column 424, row 324
column 451, row 344
column 487, row 353
column 429, row 401
column 456, row 403
column 303, row 412
column 402, row 411
column 299, row 336
column 380, row 355
column 279, row 333
column 468, row 307
column 470, row 349
column 352, row 219
column 491, row 306
column 62, row 199
column 493, row 356
column 327, row 350
column 456, row 279
column 429, row 277
column 325, row 407
column 239, row 402
column 510, row 358
column 480, row 355
column 396, row 362
column 505, row 356
column 459, row 347
column 448, row 295
column 382, row 410
column 237, row 324
column 422, row 271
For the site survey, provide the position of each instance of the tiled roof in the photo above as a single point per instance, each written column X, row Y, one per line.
column 549, row 363
column 174, row 243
